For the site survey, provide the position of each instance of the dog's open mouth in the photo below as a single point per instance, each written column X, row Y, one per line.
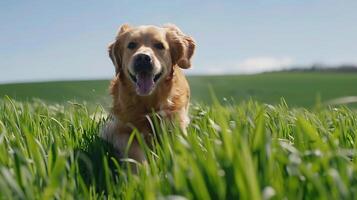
column 145, row 82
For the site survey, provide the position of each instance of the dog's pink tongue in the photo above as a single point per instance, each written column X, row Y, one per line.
column 144, row 83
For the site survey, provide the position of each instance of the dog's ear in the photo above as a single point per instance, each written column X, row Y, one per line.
column 114, row 49
column 182, row 46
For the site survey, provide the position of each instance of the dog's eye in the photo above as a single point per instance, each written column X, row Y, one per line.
column 159, row 45
column 132, row 45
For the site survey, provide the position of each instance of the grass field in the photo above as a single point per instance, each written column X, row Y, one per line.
column 298, row 89
column 242, row 151
column 235, row 149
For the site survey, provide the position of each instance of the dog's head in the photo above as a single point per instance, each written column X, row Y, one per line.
column 147, row 54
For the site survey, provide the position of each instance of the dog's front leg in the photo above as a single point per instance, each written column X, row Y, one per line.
column 118, row 135
column 181, row 116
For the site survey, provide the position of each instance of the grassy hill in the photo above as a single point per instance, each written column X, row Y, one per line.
column 245, row 150
column 298, row 89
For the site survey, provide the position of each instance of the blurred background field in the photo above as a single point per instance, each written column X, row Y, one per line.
column 299, row 89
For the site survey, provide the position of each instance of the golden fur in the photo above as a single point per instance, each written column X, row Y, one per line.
column 171, row 94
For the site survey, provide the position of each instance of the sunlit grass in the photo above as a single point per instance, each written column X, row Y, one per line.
column 247, row 151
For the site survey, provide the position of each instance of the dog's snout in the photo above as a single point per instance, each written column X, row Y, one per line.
column 144, row 58
column 143, row 63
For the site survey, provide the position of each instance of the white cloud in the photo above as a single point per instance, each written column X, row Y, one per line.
column 245, row 66
column 262, row 64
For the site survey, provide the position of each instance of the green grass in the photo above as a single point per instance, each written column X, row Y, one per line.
column 232, row 151
column 298, row 89
column 59, row 91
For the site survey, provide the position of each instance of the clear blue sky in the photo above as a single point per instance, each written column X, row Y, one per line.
column 51, row 40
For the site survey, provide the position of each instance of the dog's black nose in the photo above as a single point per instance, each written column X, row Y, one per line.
column 142, row 63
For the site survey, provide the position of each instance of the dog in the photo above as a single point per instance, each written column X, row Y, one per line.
column 148, row 78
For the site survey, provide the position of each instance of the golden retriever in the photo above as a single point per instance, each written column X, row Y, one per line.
column 148, row 63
